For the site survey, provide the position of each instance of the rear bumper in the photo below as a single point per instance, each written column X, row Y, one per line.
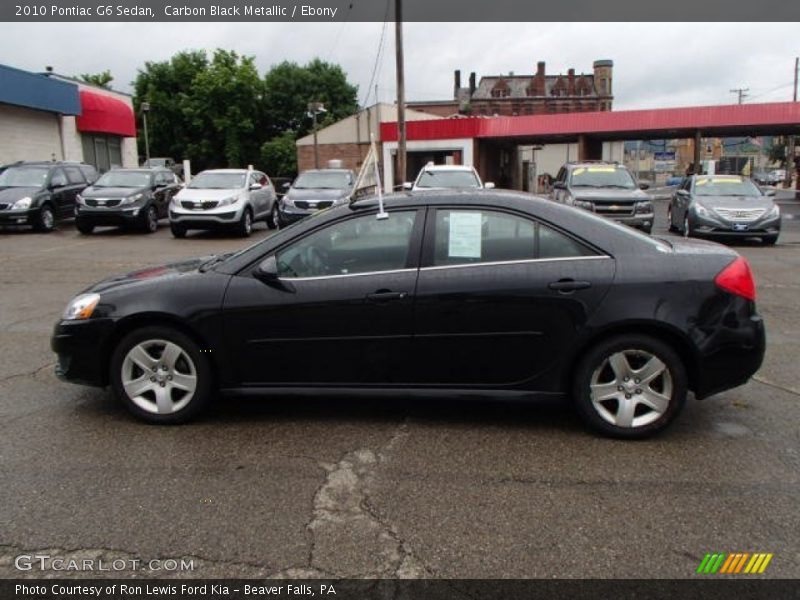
column 81, row 346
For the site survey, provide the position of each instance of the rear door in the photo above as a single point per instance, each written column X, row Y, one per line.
column 500, row 296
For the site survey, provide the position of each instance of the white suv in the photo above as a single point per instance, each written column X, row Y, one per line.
column 223, row 198
column 433, row 177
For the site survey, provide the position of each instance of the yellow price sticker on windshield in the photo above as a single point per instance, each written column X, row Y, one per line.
column 727, row 180
column 602, row 169
column 579, row 171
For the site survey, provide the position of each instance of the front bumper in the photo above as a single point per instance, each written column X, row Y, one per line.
column 198, row 219
column 18, row 217
column 83, row 349
column 109, row 216
column 715, row 226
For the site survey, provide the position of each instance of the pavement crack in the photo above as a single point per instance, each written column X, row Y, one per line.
column 777, row 386
column 33, row 373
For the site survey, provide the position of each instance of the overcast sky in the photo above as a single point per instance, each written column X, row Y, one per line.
column 655, row 64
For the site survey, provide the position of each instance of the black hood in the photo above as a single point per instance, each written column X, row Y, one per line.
column 112, row 192
column 609, row 194
column 10, row 195
column 150, row 275
column 314, row 194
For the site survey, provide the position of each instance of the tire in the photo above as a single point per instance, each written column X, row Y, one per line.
column 769, row 240
column 274, row 218
column 149, row 222
column 178, row 230
column 84, row 227
column 158, row 390
column 631, row 410
column 245, row 226
column 672, row 227
column 46, row 219
column 687, row 227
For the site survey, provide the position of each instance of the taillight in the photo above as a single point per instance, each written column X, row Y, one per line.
column 737, row 279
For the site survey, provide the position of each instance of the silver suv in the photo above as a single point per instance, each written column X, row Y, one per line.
column 223, row 198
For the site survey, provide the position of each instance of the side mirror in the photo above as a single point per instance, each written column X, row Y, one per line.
column 267, row 272
column 255, row 186
column 644, row 185
column 408, row 185
column 57, row 183
column 489, row 185
column 559, row 185
column 286, row 185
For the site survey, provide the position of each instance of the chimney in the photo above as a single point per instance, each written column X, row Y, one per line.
column 571, row 82
column 456, row 83
column 539, row 80
column 471, row 84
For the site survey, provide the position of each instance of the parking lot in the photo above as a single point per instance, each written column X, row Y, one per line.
column 344, row 487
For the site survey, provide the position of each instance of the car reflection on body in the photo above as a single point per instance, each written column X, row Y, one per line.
column 464, row 292
column 725, row 206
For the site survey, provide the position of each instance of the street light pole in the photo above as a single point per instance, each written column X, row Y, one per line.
column 790, row 164
column 146, row 109
column 401, row 92
column 314, row 108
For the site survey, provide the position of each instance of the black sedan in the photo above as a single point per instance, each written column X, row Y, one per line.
column 127, row 197
column 468, row 293
column 724, row 206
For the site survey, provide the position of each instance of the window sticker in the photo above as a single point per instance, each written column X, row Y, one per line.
column 578, row 171
column 465, row 235
column 602, row 169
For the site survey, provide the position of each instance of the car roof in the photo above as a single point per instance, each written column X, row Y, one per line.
column 140, row 170
column 224, row 171
column 594, row 163
column 326, row 171
column 447, row 168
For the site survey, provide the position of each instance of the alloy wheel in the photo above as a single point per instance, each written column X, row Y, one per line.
column 686, row 226
column 152, row 219
column 159, row 376
column 631, row 388
column 47, row 218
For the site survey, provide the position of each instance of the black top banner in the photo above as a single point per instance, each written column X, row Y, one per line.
column 412, row 11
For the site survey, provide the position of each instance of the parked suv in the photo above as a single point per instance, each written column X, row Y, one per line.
column 608, row 189
column 126, row 197
column 437, row 177
column 40, row 193
column 314, row 190
column 223, row 198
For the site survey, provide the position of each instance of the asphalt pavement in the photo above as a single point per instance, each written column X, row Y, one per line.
column 373, row 487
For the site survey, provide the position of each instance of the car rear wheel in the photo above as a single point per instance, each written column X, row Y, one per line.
column 245, row 226
column 178, row 231
column 46, row 220
column 630, row 386
column 150, row 220
column 84, row 227
column 160, row 375
column 274, row 219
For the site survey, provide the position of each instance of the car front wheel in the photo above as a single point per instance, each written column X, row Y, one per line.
column 150, row 220
column 160, row 375
column 84, row 227
column 178, row 230
column 630, row 386
column 46, row 221
column 245, row 226
column 274, row 219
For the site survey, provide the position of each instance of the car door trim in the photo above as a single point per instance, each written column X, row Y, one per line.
column 514, row 262
column 321, row 277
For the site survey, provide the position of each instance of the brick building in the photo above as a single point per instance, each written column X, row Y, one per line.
column 534, row 94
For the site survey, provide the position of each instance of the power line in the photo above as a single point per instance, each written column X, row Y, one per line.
column 378, row 54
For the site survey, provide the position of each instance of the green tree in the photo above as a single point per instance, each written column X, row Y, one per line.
column 103, row 79
column 289, row 88
column 279, row 155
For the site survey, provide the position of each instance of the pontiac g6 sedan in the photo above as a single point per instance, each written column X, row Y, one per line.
column 460, row 292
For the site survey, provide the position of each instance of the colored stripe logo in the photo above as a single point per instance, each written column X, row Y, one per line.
column 734, row 563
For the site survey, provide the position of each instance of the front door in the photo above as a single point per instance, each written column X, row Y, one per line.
column 341, row 312
column 500, row 297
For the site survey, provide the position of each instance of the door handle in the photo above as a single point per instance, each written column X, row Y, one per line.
column 386, row 296
column 567, row 286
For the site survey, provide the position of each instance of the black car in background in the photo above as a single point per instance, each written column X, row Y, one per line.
column 40, row 193
column 314, row 190
column 724, row 206
column 608, row 189
column 127, row 197
column 461, row 292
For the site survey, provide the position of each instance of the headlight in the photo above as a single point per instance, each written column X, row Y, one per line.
column 585, row 204
column 227, row 201
column 701, row 210
column 22, row 204
column 132, row 199
column 81, row 307
column 79, row 199
column 286, row 201
column 644, row 207
column 775, row 211
column 339, row 201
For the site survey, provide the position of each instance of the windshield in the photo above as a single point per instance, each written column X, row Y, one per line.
column 320, row 180
column 725, row 186
column 23, row 177
column 217, row 181
column 602, row 176
column 125, row 179
column 447, row 179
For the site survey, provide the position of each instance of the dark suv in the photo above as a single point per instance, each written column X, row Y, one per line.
column 40, row 193
column 607, row 189
column 127, row 197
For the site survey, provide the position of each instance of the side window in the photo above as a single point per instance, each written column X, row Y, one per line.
column 562, row 174
column 476, row 236
column 57, row 178
column 74, row 175
column 360, row 245
column 254, row 178
column 89, row 173
column 485, row 236
column 554, row 244
column 262, row 179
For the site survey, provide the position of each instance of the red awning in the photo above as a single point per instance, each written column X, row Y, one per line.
column 104, row 114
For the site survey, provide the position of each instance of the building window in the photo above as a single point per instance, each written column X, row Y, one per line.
column 102, row 151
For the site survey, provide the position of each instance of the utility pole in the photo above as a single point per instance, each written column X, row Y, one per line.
column 401, row 92
column 315, row 108
column 790, row 142
column 145, row 108
column 741, row 93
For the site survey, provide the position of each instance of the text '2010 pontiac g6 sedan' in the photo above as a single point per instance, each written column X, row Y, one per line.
column 462, row 292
